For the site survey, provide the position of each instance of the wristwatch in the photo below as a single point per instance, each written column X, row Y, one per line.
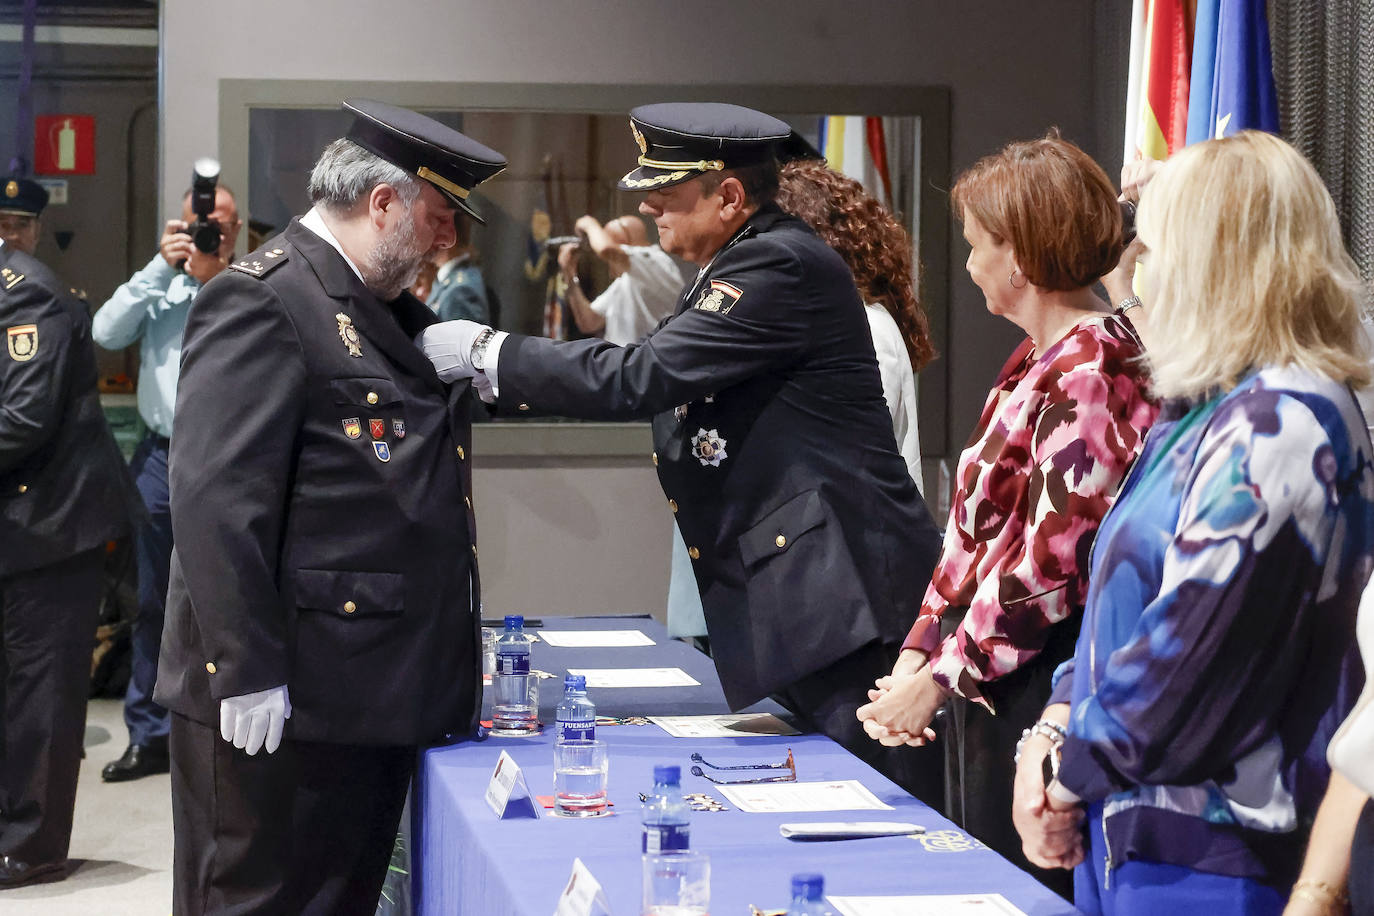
column 479, row 349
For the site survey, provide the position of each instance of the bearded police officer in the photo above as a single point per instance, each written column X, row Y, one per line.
column 810, row 543
column 324, row 585
column 64, row 492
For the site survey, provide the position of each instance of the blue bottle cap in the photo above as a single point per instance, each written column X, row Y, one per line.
column 574, row 682
column 808, row 886
column 515, row 622
column 668, row 774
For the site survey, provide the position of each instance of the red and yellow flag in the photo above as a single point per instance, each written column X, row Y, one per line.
column 1157, row 90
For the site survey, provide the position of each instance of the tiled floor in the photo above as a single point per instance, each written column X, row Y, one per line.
column 121, row 842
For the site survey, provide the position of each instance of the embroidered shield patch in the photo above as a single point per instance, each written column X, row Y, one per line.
column 352, row 427
column 383, row 451
column 23, row 342
column 719, row 297
column 708, row 447
column 377, row 426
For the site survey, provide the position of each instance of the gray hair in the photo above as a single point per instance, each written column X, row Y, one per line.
column 346, row 173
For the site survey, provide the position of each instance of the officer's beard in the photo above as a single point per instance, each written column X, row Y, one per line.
column 394, row 262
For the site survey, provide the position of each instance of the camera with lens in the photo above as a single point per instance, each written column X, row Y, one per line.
column 204, row 231
column 1127, row 221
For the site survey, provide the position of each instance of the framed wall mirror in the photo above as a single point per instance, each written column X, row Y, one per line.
column 567, row 146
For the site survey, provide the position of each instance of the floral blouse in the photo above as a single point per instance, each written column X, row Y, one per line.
column 1053, row 442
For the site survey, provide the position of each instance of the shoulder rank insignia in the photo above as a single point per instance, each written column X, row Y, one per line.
column 348, row 334
column 261, row 263
column 708, row 447
column 23, row 342
column 718, row 297
column 10, row 278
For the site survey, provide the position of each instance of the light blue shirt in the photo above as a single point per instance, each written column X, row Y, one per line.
column 152, row 307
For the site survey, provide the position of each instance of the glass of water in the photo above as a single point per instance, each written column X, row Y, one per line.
column 579, row 778
column 676, row 884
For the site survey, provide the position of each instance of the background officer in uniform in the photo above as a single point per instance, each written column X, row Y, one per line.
column 325, row 564
column 810, row 543
column 64, row 492
column 151, row 308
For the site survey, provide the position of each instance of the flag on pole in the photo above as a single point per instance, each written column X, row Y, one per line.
column 857, row 147
column 1157, row 86
column 1243, row 95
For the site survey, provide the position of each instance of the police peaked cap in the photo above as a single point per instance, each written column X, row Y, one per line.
column 22, row 195
column 452, row 162
column 681, row 140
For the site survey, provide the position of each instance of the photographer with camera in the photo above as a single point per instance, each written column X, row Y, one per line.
column 152, row 307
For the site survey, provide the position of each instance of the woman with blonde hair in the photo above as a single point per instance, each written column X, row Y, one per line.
column 1217, row 651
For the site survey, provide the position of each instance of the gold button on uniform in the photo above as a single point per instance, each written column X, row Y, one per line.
column 780, row 541
column 210, row 667
column 461, row 453
column 372, row 397
column 524, row 407
column 23, row 488
column 672, row 504
column 349, row 607
column 655, row 457
column 694, row 553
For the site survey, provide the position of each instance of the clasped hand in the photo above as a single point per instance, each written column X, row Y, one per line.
column 1051, row 831
column 448, row 345
column 903, row 704
column 255, row 720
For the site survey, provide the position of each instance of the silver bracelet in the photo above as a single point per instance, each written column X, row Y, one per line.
column 1130, row 302
column 1051, row 731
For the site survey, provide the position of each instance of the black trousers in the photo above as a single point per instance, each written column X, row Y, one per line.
column 979, row 748
column 305, row 831
column 827, row 700
column 47, row 628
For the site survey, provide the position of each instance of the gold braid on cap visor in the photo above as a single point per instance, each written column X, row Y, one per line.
column 701, row 165
column 435, row 178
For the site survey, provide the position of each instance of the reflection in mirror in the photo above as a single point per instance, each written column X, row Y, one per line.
column 563, row 167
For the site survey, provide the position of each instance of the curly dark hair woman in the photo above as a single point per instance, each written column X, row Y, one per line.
column 868, row 237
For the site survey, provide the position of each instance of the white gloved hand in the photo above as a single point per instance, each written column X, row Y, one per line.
column 255, row 720
column 448, row 345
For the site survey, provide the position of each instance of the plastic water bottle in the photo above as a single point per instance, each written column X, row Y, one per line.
column 666, row 816
column 512, row 713
column 808, row 896
column 576, row 716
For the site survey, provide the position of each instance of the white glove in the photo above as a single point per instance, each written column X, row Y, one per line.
column 448, row 345
column 247, row 720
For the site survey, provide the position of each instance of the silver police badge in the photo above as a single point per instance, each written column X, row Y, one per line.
column 708, row 447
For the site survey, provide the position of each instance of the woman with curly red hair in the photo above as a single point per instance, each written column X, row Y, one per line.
column 878, row 252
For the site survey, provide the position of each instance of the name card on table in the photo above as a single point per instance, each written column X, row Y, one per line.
column 583, row 896
column 507, row 793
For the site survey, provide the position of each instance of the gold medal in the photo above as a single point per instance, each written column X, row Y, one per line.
column 348, row 334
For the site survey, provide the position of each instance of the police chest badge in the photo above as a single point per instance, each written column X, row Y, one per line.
column 348, row 334
column 398, row 428
column 719, row 297
column 352, row 427
column 383, row 451
column 23, row 342
column 708, row 447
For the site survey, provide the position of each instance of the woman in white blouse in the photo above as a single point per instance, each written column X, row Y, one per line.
column 878, row 252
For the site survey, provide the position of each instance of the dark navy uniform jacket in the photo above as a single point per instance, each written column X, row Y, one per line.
column 774, row 447
column 320, row 482
column 64, row 487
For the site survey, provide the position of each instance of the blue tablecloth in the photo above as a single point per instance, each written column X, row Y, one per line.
column 471, row 863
